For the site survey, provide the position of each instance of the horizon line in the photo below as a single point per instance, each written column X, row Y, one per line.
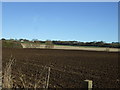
column 57, row 40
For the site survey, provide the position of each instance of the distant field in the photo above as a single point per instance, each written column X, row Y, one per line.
column 25, row 45
column 87, row 48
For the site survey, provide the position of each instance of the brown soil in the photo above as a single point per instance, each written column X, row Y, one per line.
column 69, row 68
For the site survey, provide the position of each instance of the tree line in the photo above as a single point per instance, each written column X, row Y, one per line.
column 71, row 43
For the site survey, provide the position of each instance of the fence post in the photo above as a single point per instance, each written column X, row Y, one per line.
column 88, row 84
column 48, row 77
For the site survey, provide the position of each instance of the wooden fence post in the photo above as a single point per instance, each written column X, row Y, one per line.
column 88, row 84
column 48, row 77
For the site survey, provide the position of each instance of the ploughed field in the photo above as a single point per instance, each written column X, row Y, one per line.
column 69, row 68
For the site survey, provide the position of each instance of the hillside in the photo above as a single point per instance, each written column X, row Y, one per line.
column 11, row 44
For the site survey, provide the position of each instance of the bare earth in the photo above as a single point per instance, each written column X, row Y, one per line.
column 69, row 68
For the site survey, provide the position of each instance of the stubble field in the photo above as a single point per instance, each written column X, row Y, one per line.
column 69, row 68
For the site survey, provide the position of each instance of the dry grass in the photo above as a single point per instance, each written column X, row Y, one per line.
column 0, row 80
column 10, row 82
column 7, row 77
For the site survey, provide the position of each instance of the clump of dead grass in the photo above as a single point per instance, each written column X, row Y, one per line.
column 7, row 77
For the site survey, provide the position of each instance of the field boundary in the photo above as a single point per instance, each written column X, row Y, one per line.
column 25, row 45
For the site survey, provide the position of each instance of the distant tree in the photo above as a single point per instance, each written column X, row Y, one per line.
column 3, row 39
column 49, row 44
column 26, row 40
column 100, row 43
column 20, row 39
column 11, row 39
